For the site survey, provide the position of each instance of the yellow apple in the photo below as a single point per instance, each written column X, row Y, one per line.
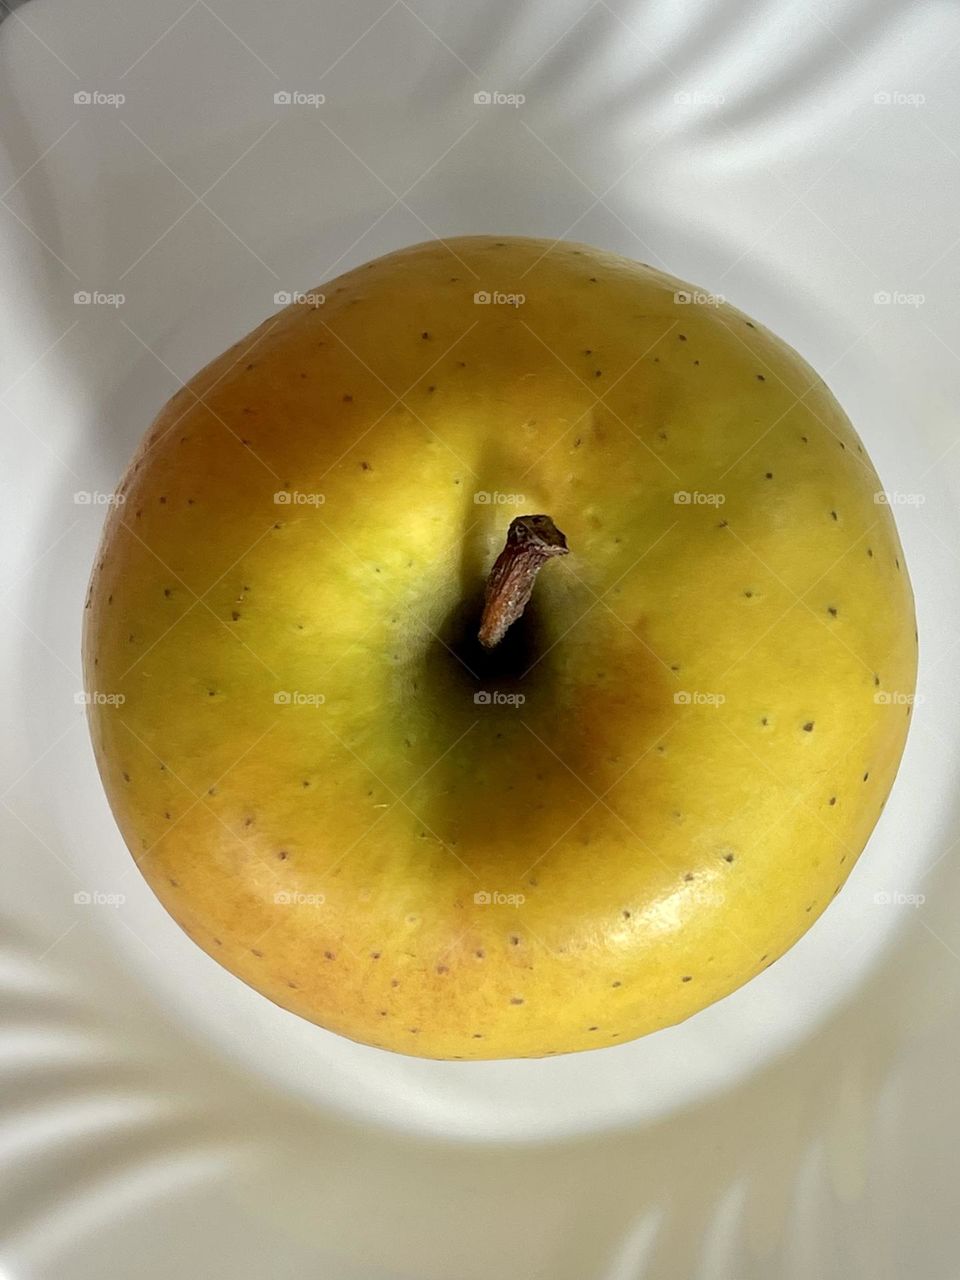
column 636, row 800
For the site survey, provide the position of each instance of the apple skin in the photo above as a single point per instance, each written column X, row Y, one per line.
column 716, row 691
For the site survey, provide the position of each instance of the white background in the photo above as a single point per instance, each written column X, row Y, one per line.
column 155, row 1115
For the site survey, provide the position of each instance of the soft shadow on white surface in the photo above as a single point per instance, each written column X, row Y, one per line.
column 813, row 1153
column 156, row 1110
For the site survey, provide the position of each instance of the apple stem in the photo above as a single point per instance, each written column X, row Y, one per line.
column 531, row 542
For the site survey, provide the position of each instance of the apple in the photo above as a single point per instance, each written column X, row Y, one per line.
column 647, row 777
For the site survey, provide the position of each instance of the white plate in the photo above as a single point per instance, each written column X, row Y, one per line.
column 155, row 1114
